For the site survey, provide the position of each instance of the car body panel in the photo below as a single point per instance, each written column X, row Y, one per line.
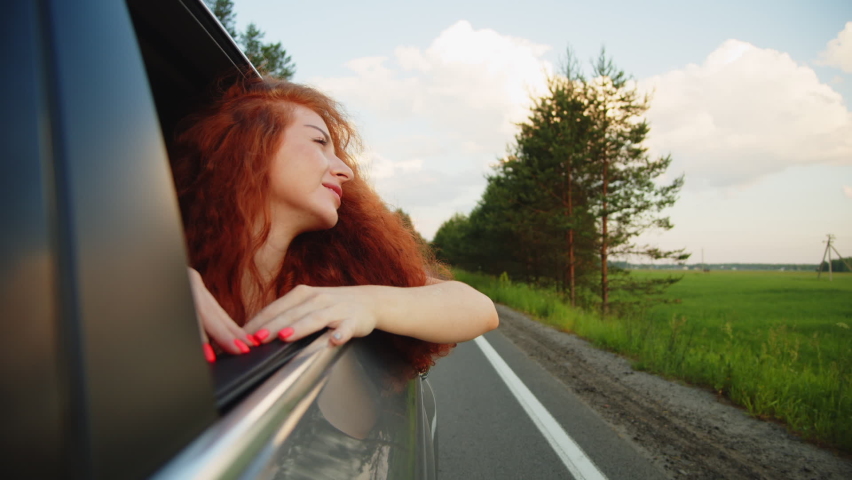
column 123, row 263
column 332, row 412
column 31, row 370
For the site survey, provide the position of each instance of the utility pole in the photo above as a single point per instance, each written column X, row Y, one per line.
column 828, row 249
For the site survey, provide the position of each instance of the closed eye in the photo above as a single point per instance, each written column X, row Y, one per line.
column 324, row 139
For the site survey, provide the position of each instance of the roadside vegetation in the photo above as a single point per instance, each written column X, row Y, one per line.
column 777, row 343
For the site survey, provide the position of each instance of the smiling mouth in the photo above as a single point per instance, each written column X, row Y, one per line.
column 336, row 190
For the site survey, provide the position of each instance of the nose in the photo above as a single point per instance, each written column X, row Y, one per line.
column 341, row 170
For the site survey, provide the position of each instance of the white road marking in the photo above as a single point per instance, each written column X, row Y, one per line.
column 577, row 462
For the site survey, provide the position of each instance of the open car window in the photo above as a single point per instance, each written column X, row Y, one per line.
column 186, row 52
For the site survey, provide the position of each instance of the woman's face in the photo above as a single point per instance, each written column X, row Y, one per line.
column 306, row 178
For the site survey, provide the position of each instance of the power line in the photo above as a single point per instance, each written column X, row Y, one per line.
column 828, row 249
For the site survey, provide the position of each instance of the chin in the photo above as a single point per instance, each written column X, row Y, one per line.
column 326, row 221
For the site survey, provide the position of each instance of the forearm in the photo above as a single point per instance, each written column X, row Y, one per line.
column 445, row 312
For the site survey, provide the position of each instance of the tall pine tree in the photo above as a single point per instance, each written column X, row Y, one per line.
column 624, row 196
column 576, row 189
column 552, row 146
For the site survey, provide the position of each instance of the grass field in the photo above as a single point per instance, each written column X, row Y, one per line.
column 777, row 343
column 793, row 306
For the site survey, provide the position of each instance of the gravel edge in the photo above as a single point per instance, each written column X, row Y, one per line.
column 687, row 431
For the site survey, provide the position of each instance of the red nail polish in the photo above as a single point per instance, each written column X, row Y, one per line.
column 253, row 341
column 208, row 353
column 285, row 333
column 261, row 335
column 241, row 345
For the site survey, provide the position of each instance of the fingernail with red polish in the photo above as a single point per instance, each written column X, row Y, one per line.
column 283, row 334
column 261, row 335
column 241, row 345
column 208, row 353
column 253, row 341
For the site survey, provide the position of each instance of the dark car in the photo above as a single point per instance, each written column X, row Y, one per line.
column 102, row 369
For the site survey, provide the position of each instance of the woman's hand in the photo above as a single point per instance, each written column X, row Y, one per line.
column 215, row 323
column 439, row 312
column 349, row 311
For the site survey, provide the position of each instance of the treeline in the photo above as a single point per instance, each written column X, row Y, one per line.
column 837, row 265
column 721, row 266
column 573, row 192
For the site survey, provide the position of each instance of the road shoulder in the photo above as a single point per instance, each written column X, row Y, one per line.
column 686, row 431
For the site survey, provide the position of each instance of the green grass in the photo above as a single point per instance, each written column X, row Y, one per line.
column 777, row 343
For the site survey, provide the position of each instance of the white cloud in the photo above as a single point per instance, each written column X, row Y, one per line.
column 462, row 96
column 838, row 52
column 477, row 81
column 437, row 117
column 847, row 190
column 378, row 167
column 744, row 113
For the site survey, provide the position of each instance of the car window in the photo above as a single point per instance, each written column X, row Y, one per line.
column 186, row 54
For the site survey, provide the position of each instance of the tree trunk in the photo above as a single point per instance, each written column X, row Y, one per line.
column 571, row 266
column 604, row 242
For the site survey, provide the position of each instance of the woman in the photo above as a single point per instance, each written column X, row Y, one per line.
column 285, row 237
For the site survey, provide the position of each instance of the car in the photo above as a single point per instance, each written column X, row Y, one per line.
column 102, row 369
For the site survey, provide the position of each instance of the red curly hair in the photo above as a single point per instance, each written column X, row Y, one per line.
column 221, row 167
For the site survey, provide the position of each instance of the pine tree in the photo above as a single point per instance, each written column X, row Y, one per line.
column 267, row 58
column 552, row 144
column 224, row 11
column 625, row 199
column 575, row 190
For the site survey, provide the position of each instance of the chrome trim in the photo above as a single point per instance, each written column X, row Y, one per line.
column 434, row 419
column 237, row 446
column 232, row 45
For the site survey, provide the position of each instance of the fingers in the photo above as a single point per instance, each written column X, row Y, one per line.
column 215, row 323
column 226, row 335
column 341, row 334
column 209, row 354
column 344, row 323
column 306, row 310
column 284, row 328
column 307, row 323
column 297, row 296
column 273, row 321
column 306, row 319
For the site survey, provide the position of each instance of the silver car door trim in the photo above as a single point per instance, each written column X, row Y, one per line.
column 239, row 442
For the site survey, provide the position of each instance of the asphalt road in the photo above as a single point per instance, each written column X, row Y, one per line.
column 485, row 432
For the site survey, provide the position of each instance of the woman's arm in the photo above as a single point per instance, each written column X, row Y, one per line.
column 443, row 312
column 440, row 312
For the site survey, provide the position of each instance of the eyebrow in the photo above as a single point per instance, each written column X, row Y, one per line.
column 327, row 139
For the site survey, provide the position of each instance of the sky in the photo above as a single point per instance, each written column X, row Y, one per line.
column 752, row 99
